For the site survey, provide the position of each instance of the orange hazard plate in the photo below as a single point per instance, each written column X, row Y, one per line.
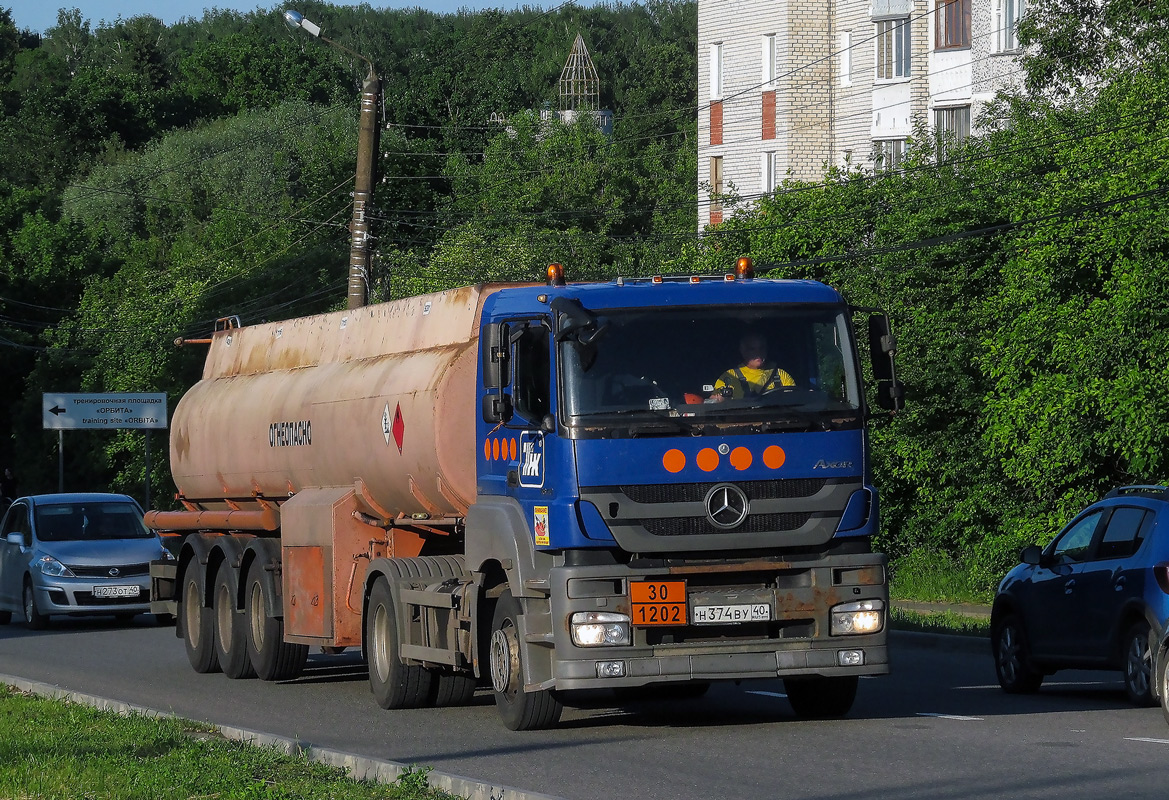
column 658, row 602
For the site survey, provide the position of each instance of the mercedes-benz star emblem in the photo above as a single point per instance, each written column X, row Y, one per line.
column 726, row 506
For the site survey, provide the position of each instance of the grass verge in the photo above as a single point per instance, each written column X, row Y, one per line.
column 940, row 622
column 54, row 749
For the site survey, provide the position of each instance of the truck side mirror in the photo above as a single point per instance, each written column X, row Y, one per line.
column 882, row 347
column 497, row 407
column 494, row 343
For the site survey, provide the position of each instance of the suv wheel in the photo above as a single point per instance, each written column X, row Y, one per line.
column 1138, row 665
column 1012, row 657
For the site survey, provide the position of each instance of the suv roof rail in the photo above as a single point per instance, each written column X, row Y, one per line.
column 1159, row 492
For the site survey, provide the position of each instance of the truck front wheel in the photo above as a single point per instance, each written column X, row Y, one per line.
column 198, row 623
column 273, row 658
column 821, row 698
column 394, row 684
column 520, row 710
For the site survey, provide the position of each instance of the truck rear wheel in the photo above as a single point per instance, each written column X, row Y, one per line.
column 821, row 698
column 520, row 710
column 273, row 658
column 231, row 645
column 452, row 688
column 394, row 684
column 198, row 623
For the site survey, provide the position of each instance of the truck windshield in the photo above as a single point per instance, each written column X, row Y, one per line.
column 781, row 364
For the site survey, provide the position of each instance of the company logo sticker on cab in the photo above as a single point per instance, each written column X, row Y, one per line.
column 540, row 524
column 531, row 459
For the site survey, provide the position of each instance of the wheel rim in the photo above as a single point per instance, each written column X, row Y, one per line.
column 1009, row 660
column 223, row 618
column 504, row 659
column 30, row 604
column 1136, row 665
column 379, row 658
column 191, row 613
column 257, row 617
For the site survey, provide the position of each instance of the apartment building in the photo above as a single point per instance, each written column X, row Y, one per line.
column 788, row 89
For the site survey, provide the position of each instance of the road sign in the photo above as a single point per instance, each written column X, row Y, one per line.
column 114, row 410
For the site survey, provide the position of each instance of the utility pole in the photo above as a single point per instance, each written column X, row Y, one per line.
column 367, row 146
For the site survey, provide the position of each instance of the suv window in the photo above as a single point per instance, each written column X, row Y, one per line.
column 1122, row 537
column 1072, row 547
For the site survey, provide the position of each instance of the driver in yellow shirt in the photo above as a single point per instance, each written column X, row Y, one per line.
column 754, row 377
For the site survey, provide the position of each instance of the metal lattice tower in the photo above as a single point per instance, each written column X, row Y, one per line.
column 580, row 86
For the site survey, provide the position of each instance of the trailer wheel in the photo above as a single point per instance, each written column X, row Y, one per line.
column 520, row 710
column 393, row 683
column 231, row 645
column 273, row 658
column 821, row 698
column 197, row 623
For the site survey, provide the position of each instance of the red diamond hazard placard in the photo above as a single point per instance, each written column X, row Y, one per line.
column 398, row 429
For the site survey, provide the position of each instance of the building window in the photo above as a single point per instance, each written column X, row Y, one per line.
column 770, row 65
column 846, row 58
column 1007, row 14
column 888, row 154
column 716, row 71
column 716, row 185
column 893, row 48
column 769, row 178
column 951, row 24
column 952, row 126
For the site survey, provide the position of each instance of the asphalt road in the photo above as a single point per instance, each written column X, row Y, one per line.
column 937, row 728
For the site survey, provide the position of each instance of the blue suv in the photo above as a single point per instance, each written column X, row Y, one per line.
column 1096, row 597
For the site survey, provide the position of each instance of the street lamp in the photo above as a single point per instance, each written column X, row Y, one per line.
column 359, row 248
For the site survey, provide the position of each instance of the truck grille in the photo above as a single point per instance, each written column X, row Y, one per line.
column 700, row 526
column 696, row 492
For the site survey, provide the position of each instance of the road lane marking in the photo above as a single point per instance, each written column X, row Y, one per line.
column 767, row 694
column 949, row 716
column 1142, row 739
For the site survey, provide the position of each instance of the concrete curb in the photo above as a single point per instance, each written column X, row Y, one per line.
column 357, row 767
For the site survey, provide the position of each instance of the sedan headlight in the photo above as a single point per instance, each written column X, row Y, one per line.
column 51, row 566
column 599, row 629
column 864, row 616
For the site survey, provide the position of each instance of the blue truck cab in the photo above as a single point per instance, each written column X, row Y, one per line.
column 653, row 516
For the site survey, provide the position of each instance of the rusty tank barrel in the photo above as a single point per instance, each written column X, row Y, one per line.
column 382, row 395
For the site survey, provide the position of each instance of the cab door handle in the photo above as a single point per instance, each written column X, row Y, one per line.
column 1119, row 583
column 1067, row 587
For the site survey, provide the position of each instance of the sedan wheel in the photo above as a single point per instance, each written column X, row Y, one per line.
column 1164, row 673
column 1138, row 665
column 33, row 618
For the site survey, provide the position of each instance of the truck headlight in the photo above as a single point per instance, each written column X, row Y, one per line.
column 599, row 629
column 51, row 566
column 864, row 616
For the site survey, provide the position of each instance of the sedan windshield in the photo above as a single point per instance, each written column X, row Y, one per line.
column 784, row 364
column 60, row 522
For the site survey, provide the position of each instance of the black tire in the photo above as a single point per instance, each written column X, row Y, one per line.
column 1012, row 657
column 34, row 620
column 821, row 698
column 5, row 617
column 273, row 658
column 520, row 710
column 452, row 688
column 1138, row 665
column 231, row 642
column 1163, row 674
column 197, row 623
column 393, row 683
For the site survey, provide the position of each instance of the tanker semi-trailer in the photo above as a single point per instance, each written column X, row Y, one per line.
column 540, row 488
